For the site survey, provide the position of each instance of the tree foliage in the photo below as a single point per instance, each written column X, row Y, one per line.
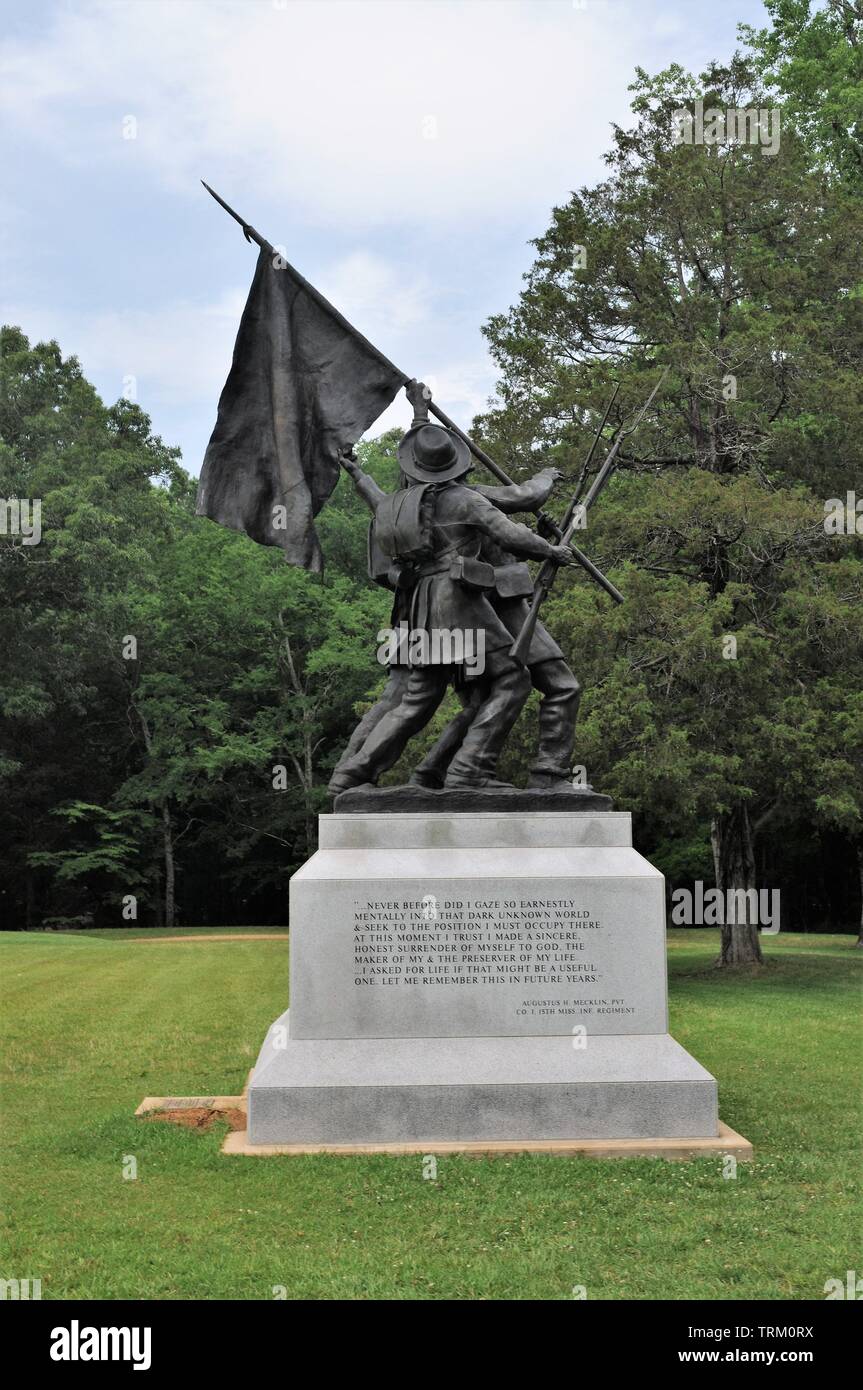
column 723, row 699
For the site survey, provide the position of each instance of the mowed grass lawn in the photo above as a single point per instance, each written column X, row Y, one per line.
column 93, row 1023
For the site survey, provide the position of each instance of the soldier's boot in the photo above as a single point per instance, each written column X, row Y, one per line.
column 427, row 777
column 475, row 763
column 558, row 710
column 549, row 782
column 431, row 772
column 390, row 699
column 424, row 691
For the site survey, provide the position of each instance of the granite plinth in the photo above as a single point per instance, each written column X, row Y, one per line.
column 413, row 1089
column 477, row 976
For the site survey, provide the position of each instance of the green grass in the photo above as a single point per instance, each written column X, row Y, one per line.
column 133, row 931
column 93, row 1023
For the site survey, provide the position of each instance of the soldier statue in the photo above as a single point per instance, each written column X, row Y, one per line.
column 453, row 558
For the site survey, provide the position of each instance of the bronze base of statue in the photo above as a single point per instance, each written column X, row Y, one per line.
column 451, row 800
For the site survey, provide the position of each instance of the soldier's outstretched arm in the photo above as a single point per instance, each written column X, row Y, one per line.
column 528, row 496
column 512, row 535
column 365, row 485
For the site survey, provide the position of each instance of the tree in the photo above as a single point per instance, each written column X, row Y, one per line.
column 90, row 469
column 739, row 270
column 813, row 59
column 157, row 671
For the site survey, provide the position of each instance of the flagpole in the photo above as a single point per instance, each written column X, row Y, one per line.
column 251, row 234
column 479, row 454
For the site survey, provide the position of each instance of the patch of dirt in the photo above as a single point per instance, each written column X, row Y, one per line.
column 237, row 1119
column 198, row 1118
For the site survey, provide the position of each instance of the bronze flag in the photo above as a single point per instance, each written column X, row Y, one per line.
column 301, row 390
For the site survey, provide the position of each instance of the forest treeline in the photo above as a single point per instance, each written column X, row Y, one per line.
column 173, row 697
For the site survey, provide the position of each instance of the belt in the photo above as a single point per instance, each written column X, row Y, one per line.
column 440, row 566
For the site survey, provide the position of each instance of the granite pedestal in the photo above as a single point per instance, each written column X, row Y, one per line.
column 477, row 976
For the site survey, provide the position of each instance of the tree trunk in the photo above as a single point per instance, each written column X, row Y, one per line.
column 305, row 769
column 734, row 868
column 308, row 764
column 167, row 830
column 860, row 872
column 29, row 900
column 168, row 836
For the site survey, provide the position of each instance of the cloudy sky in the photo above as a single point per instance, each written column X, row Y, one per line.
column 403, row 152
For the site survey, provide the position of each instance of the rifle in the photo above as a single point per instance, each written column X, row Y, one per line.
column 582, row 477
column 545, row 578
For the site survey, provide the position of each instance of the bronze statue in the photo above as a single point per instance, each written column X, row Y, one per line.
column 304, row 385
column 452, row 557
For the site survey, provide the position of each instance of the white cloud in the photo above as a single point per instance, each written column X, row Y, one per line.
column 416, row 144
column 179, row 353
column 461, row 388
column 668, row 25
column 377, row 112
column 374, row 294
